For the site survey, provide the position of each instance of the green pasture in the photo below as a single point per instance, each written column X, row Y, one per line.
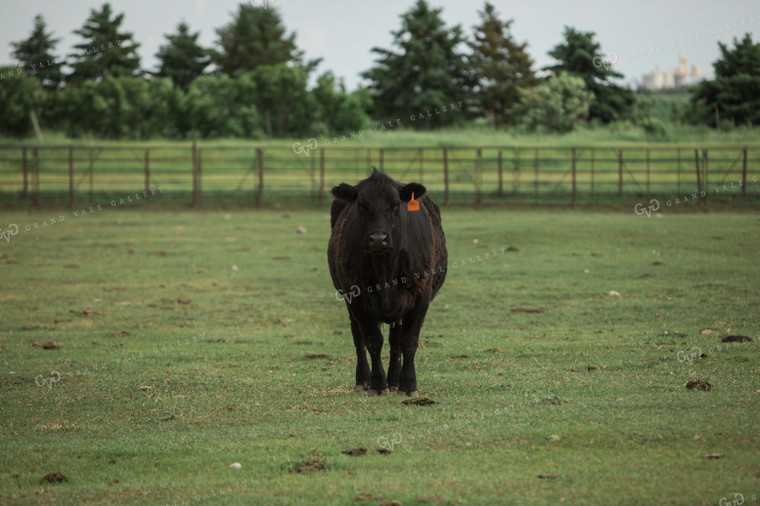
column 192, row 340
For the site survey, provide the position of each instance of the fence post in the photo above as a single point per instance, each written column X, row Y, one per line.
column 516, row 173
column 446, row 176
column 24, row 170
column 706, row 168
column 620, row 172
column 92, row 172
column 592, row 175
column 648, row 193
column 321, row 176
column 147, row 170
column 421, row 169
column 71, row 176
column 744, row 173
column 699, row 176
column 260, row 165
column 678, row 173
column 574, row 183
column 501, row 177
column 535, row 169
column 479, row 177
column 36, row 176
column 195, row 173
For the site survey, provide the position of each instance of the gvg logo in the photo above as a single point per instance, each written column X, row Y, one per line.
column 310, row 146
column 605, row 61
column 654, row 205
column 355, row 291
column 737, row 500
column 53, row 377
column 689, row 356
column 384, row 442
column 12, row 230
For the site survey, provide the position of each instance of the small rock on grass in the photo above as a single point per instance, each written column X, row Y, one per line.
column 236, row 465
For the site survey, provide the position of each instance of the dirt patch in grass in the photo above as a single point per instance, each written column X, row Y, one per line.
column 526, row 310
column 355, row 451
column 55, row 477
column 736, row 339
column 553, row 400
column 86, row 312
column 419, row 401
column 50, row 345
column 312, row 356
column 366, row 497
column 308, row 465
column 699, row 384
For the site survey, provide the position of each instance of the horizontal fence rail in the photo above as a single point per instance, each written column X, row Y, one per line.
column 76, row 174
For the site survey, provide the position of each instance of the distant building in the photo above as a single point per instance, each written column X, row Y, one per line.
column 682, row 76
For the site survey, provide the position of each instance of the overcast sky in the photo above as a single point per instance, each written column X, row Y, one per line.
column 644, row 34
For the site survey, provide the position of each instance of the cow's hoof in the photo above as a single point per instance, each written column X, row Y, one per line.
column 361, row 387
column 373, row 393
column 393, row 389
column 416, row 393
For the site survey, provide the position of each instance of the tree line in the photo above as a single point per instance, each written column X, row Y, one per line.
column 254, row 82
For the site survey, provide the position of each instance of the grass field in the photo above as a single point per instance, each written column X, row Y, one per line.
column 193, row 340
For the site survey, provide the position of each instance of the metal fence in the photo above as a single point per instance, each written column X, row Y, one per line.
column 192, row 172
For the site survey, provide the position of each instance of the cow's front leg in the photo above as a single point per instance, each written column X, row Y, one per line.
column 410, row 337
column 394, row 367
column 363, row 374
column 378, row 382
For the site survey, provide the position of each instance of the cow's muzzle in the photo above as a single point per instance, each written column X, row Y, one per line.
column 378, row 242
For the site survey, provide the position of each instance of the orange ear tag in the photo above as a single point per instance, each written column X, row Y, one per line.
column 412, row 205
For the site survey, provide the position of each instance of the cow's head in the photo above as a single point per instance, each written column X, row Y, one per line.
column 380, row 206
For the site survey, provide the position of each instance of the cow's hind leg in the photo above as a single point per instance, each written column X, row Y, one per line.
column 394, row 367
column 363, row 375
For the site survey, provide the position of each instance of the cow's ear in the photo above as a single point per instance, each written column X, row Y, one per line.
column 345, row 192
column 406, row 192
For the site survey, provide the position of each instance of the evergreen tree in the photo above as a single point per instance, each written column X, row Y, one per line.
column 501, row 67
column 426, row 72
column 256, row 36
column 105, row 50
column 735, row 91
column 182, row 59
column 579, row 55
column 35, row 54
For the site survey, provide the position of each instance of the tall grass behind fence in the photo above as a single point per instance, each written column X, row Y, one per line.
column 191, row 173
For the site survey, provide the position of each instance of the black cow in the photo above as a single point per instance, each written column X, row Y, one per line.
column 388, row 260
